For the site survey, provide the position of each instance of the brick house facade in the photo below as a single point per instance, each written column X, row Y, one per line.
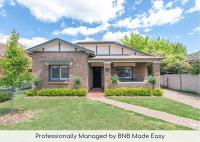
column 57, row 63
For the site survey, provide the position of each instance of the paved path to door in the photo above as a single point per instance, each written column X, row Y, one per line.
column 183, row 97
column 194, row 124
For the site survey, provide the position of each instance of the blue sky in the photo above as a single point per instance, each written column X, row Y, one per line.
column 38, row 21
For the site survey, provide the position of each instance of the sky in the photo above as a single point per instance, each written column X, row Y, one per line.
column 38, row 21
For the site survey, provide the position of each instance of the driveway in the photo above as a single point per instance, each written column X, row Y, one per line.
column 183, row 97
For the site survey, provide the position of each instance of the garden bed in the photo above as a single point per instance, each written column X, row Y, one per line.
column 57, row 92
column 16, row 117
column 133, row 92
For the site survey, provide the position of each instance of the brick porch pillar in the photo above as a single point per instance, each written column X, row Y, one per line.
column 156, row 73
column 107, row 74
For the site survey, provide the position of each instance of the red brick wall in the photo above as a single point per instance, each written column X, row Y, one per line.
column 79, row 68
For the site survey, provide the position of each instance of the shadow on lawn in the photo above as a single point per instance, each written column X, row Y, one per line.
column 4, row 111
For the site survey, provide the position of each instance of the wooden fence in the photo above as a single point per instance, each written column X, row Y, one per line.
column 185, row 82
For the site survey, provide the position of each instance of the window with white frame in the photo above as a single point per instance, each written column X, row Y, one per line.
column 59, row 72
column 125, row 72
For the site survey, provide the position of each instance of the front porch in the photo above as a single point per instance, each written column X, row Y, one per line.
column 131, row 73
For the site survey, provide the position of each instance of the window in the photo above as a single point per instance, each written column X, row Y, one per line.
column 58, row 72
column 125, row 72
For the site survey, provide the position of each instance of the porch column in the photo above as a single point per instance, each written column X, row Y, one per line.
column 107, row 74
column 156, row 73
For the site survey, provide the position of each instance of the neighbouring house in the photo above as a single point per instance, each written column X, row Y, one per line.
column 57, row 63
column 2, row 50
column 193, row 57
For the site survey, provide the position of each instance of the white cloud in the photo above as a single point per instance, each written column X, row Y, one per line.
column 184, row 2
column 12, row 2
column 88, row 10
column 196, row 7
column 138, row 2
column 147, row 30
column 3, row 12
column 116, row 36
column 3, row 38
column 157, row 4
column 169, row 4
column 1, row 3
column 83, row 30
column 26, row 42
column 86, row 39
column 156, row 16
column 30, row 42
column 191, row 33
column 197, row 29
column 178, row 36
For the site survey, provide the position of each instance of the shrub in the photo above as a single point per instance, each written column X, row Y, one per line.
column 57, row 92
column 77, row 82
column 195, row 67
column 133, row 92
column 152, row 80
column 5, row 96
column 31, row 93
column 115, row 79
column 157, row 92
column 36, row 82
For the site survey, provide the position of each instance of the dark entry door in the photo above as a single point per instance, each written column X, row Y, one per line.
column 96, row 77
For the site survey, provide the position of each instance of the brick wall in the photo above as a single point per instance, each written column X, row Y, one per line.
column 132, row 85
column 79, row 68
column 107, row 74
column 156, row 73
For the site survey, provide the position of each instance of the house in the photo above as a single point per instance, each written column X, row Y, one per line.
column 193, row 57
column 57, row 63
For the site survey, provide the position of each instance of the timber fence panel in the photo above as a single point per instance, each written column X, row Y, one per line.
column 185, row 82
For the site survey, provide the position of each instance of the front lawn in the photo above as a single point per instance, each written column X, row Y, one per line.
column 164, row 104
column 78, row 114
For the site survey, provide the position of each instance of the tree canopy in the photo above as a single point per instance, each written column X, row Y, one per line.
column 15, row 63
column 174, row 54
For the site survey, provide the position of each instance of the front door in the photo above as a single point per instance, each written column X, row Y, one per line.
column 96, row 77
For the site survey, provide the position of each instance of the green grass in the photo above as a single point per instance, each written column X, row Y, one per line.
column 165, row 105
column 79, row 114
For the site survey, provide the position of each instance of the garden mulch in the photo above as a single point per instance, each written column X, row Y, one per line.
column 16, row 117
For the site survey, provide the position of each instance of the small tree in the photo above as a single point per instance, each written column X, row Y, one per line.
column 152, row 80
column 36, row 83
column 115, row 79
column 14, row 65
column 77, row 82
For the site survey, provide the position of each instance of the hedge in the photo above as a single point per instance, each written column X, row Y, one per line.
column 5, row 96
column 157, row 92
column 57, row 92
column 133, row 92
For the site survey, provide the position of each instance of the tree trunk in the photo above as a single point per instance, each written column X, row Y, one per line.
column 12, row 101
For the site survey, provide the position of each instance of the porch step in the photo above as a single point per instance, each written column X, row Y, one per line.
column 96, row 93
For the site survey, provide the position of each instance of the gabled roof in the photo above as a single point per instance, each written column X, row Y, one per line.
column 194, row 56
column 32, row 49
column 113, row 42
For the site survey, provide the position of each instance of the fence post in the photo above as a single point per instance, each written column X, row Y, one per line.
column 199, row 85
column 167, row 82
column 181, row 82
